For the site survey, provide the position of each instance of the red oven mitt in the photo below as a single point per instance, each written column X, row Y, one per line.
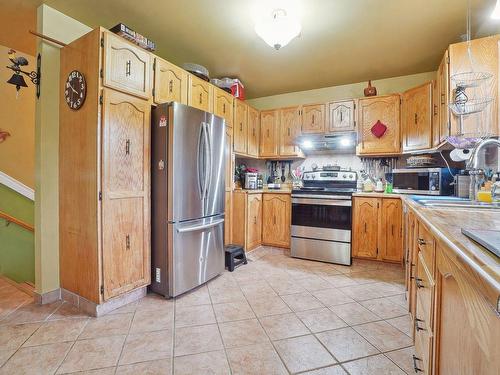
column 378, row 129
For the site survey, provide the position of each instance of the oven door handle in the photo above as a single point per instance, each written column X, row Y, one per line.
column 323, row 202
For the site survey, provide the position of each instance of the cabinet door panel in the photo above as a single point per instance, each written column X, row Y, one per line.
column 276, row 220
column 228, row 218
column 126, row 68
column 289, row 130
column 391, row 241
column 417, row 118
column 313, row 118
column 365, row 227
column 223, row 105
column 240, row 127
column 253, row 132
column 269, row 121
column 254, row 221
column 341, row 116
column 485, row 55
column 125, row 193
column 444, row 99
column 170, row 83
column 466, row 321
column 385, row 109
column 229, row 159
column 200, row 94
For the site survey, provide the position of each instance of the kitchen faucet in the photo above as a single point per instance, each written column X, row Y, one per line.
column 476, row 173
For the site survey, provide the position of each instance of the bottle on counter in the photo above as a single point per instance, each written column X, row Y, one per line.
column 260, row 181
column 380, row 186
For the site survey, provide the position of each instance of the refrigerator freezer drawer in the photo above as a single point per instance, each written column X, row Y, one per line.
column 197, row 254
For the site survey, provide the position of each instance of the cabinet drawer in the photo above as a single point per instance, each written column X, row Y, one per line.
column 425, row 292
column 426, row 245
column 126, row 68
column 423, row 352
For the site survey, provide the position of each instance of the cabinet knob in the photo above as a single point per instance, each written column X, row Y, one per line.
column 224, row 108
column 127, row 241
column 313, row 119
column 241, row 126
column 417, row 326
column 415, row 367
column 127, row 147
column 201, row 98
column 255, row 219
column 416, row 118
column 421, row 241
column 418, row 282
column 170, row 86
column 128, row 68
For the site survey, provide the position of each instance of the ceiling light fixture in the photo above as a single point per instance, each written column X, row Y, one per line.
column 496, row 12
column 278, row 28
column 307, row 144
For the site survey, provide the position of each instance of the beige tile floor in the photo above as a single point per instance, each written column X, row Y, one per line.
column 277, row 315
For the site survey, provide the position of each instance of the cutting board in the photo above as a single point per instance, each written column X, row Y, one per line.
column 490, row 239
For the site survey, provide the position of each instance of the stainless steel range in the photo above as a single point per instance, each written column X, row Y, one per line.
column 321, row 216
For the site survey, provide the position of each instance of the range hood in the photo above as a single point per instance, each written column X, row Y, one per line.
column 333, row 142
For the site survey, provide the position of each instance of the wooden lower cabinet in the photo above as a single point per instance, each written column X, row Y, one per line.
column 228, row 218
column 365, row 227
column 467, row 325
column 247, row 219
column 276, row 220
column 455, row 322
column 377, row 229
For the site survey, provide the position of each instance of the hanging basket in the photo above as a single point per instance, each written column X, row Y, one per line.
column 470, row 107
column 470, row 79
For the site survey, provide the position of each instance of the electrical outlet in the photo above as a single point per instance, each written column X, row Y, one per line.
column 158, row 275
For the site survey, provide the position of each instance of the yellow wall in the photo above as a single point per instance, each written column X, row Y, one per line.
column 66, row 29
column 17, row 117
column 354, row 90
column 16, row 18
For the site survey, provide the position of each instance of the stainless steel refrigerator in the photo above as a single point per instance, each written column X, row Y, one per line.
column 187, row 202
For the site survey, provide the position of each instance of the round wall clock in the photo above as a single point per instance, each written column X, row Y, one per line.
column 75, row 90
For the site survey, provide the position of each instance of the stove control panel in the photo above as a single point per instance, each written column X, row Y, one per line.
column 330, row 176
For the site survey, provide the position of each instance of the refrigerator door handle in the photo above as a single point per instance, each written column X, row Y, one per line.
column 198, row 169
column 200, row 227
column 208, row 160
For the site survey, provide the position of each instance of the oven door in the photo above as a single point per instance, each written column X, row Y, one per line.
column 322, row 218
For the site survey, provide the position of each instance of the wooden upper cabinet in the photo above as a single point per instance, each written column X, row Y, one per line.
column 254, row 221
column 365, row 227
column 200, row 93
column 443, row 84
column 417, row 118
column 341, row 116
column 485, row 57
column 125, row 193
column 269, row 122
column 391, row 235
column 313, row 118
column 276, row 218
column 127, row 68
column 289, row 130
column 435, row 136
column 170, row 83
column 385, row 109
column 240, row 127
column 223, row 105
column 253, row 132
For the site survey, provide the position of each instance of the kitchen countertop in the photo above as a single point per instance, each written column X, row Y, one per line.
column 446, row 225
column 374, row 194
column 264, row 191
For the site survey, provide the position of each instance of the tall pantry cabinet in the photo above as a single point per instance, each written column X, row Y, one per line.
column 104, row 169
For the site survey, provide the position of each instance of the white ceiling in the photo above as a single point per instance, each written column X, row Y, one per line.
column 342, row 41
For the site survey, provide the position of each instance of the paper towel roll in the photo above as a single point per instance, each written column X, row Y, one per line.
column 460, row 154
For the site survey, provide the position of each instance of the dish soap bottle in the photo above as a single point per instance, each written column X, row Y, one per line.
column 380, row 186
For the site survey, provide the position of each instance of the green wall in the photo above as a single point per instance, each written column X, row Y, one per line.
column 17, row 245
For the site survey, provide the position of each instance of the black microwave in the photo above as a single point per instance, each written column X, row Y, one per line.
column 425, row 181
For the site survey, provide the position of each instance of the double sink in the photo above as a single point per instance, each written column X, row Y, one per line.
column 451, row 202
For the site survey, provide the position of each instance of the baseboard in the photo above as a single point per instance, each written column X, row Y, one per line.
column 25, row 287
column 94, row 309
column 46, row 298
